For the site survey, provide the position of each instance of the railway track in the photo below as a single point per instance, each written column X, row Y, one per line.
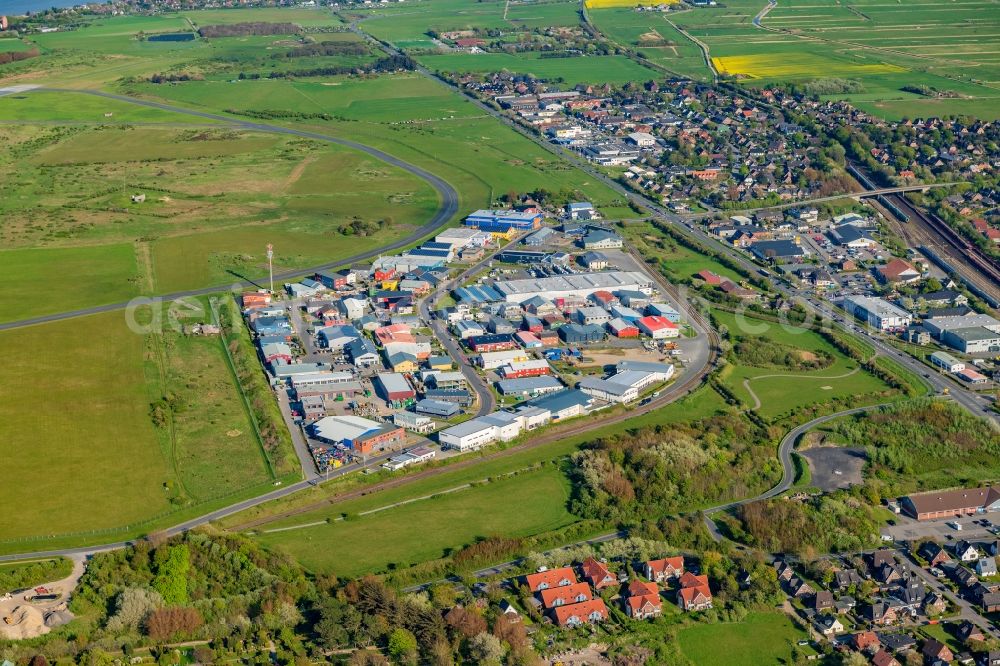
column 981, row 270
column 920, row 228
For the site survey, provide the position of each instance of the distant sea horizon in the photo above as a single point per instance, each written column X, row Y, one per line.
column 21, row 7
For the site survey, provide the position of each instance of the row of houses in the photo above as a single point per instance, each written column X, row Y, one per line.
column 569, row 601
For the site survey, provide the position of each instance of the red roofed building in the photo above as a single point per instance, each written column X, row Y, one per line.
column 709, row 277
column 565, row 595
column 980, row 225
column 664, row 569
column 597, row 574
column 581, row 613
column 883, row 658
column 254, row 299
column 544, row 580
column 898, row 270
column 864, row 640
column 643, row 600
column 658, row 327
column 604, row 298
column 469, row 42
column 694, row 594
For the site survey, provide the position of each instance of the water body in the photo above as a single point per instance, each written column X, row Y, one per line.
column 20, row 7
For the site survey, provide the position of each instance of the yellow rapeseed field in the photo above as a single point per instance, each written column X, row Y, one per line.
column 790, row 65
column 608, row 4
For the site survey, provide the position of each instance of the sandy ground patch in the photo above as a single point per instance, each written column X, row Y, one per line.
column 29, row 619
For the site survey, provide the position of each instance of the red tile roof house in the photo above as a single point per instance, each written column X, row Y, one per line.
column 643, row 600
column 565, row 595
column 581, row 613
column 664, row 569
column 597, row 574
column 883, row 658
column 865, row 640
column 543, row 580
column 694, row 594
column 935, row 649
column 898, row 270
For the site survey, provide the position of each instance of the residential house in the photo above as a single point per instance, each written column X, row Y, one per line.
column 823, row 601
column 799, row 588
column 828, row 625
column 933, row 553
column 582, row 613
column 934, row 604
column 967, row 631
column 664, row 569
column 694, row 593
column 643, row 600
column 846, row 578
column 597, row 574
column 935, row 649
column 864, row 641
column 986, row 566
column 879, row 613
column 544, row 580
column 883, row 658
column 564, row 595
column 965, row 551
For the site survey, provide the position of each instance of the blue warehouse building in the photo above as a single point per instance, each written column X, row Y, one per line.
column 502, row 221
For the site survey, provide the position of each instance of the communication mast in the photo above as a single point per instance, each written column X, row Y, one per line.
column 270, row 264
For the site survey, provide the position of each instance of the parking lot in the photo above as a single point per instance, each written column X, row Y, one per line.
column 908, row 529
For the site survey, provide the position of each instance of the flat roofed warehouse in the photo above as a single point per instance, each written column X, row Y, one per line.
column 578, row 285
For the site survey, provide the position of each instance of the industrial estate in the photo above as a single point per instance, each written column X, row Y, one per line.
column 500, row 332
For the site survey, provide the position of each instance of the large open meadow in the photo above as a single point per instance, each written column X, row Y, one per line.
column 951, row 49
column 615, row 70
column 426, row 528
column 108, row 427
column 407, row 24
column 214, row 198
column 775, row 392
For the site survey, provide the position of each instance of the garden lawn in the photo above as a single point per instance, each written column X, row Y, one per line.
column 427, row 529
column 762, row 639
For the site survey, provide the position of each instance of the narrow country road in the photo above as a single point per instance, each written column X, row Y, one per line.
column 785, row 449
column 447, row 207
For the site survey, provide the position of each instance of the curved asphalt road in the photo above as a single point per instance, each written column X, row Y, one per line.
column 787, row 466
column 446, row 210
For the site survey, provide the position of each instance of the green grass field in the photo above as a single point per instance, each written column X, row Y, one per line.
column 780, row 391
column 107, row 275
column 406, row 25
column 427, row 529
column 763, row 638
column 214, row 199
column 653, row 37
column 304, row 16
column 82, row 450
column 572, row 71
column 882, row 46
